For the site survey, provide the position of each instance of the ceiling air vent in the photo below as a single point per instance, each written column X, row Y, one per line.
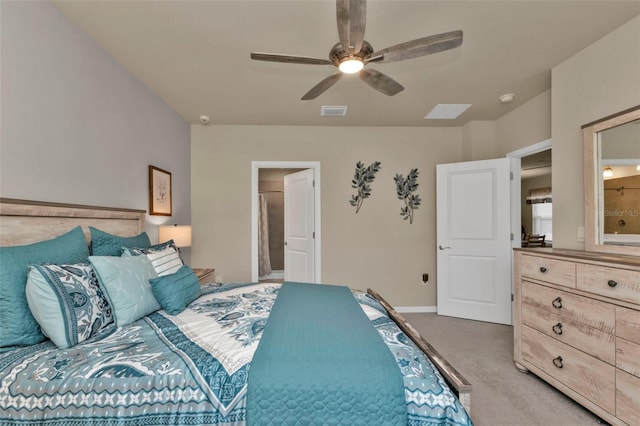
column 333, row 111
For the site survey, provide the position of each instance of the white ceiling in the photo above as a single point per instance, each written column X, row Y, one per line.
column 195, row 54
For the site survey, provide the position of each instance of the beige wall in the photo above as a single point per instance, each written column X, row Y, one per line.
column 374, row 248
column 479, row 140
column 598, row 81
column 524, row 126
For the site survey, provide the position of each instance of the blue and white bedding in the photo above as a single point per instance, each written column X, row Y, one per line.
column 191, row 368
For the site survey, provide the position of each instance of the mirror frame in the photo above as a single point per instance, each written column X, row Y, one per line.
column 591, row 176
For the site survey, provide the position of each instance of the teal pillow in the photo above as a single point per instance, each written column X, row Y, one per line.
column 176, row 291
column 105, row 244
column 126, row 281
column 68, row 303
column 17, row 325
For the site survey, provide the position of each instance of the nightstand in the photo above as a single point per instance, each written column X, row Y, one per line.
column 205, row 276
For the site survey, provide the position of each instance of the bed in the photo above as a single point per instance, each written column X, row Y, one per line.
column 232, row 355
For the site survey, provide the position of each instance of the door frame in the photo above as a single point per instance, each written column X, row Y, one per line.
column 255, row 168
column 516, row 188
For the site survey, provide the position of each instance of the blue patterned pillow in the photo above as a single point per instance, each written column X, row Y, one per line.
column 164, row 257
column 136, row 251
column 17, row 325
column 68, row 303
column 105, row 244
column 176, row 291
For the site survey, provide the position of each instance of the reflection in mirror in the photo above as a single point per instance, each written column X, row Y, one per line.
column 619, row 203
column 612, row 183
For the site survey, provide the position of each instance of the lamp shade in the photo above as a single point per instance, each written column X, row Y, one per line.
column 181, row 235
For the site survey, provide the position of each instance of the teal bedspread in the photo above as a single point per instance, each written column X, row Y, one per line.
column 320, row 361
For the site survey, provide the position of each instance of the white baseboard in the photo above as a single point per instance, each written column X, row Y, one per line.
column 274, row 275
column 416, row 309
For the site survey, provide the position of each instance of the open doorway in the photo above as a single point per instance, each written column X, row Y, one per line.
column 271, row 223
column 270, row 190
column 534, row 178
column 536, row 200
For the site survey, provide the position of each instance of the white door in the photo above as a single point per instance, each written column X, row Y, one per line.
column 299, row 227
column 473, row 237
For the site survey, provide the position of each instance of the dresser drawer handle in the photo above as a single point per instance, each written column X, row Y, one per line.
column 557, row 302
column 612, row 283
column 543, row 269
column 557, row 328
column 557, row 361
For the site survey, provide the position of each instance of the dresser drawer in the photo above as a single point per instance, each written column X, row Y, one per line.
column 551, row 270
column 627, row 398
column 628, row 340
column 586, row 375
column 622, row 284
column 628, row 324
column 590, row 340
column 628, row 356
column 578, row 310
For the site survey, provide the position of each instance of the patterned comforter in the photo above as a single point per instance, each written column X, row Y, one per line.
column 191, row 368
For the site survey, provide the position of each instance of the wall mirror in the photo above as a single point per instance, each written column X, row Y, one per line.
column 612, row 183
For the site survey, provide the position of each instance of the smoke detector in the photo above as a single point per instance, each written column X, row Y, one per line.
column 204, row 119
column 507, row 98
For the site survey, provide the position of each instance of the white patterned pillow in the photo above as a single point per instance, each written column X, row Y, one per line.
column 68, row 303
column 164, row 257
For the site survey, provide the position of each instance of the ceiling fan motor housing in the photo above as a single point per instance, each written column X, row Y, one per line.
column 338, row 54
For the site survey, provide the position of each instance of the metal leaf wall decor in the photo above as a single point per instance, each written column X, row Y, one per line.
column 405, row 189
column 361, row 181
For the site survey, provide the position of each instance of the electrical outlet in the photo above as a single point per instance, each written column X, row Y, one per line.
column 425, row 279
column 580, row 235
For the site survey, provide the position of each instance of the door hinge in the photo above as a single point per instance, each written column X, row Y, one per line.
column 314, row 235
column 512, row 236
column 313, row 183
column 512, row 297
column 510, row 175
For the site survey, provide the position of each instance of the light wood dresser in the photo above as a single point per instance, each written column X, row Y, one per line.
column 577, row 326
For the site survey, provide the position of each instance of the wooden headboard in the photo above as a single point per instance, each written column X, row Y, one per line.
column 25, row 222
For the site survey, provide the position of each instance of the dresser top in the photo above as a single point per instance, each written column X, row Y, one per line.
column 620, row 259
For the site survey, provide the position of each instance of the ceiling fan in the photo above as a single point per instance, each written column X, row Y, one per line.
column 353, row 52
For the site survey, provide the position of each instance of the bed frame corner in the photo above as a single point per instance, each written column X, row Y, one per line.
column 458, row 383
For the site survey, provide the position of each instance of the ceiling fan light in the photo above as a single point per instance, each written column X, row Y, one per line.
column 351, row 65
column 607, row 172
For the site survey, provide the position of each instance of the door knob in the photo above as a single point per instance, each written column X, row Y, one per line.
column 441, row 247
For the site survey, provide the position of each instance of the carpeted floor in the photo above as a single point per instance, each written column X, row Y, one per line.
column 501, row 395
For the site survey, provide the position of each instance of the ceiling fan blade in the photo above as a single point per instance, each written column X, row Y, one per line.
column 275, row 57
column 321, row 87
column 352, row 18
column 381, row 82
column 420, row 47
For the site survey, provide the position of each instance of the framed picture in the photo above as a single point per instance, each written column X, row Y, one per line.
column 159, row 192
